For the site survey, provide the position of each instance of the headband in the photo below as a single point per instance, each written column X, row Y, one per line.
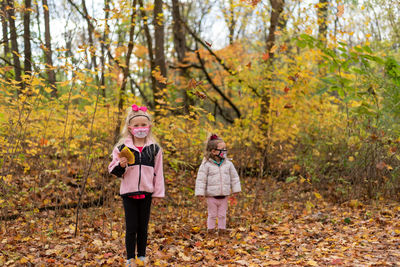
column 139, row 116
column 137, row 108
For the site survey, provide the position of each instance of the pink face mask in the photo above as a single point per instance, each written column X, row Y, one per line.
column 139, row 132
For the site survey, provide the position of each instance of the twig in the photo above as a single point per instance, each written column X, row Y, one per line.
column 216, row 87
column 90, row 164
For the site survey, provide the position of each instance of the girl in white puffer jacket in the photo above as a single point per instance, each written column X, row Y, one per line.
column 216, row 179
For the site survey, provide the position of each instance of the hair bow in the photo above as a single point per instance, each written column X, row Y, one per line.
column 136, row 108
column 214, row 137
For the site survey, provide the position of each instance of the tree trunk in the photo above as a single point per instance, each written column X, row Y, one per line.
column 178, row 31
column 104, row 39
column 322, row 15
column 128, row 56
column 180, row 48
column 27, row 38
column 48, row 53
column 159, row 59
column 125, row 69
column 4, row 26
column 14, row 43
column 91, row 42
column 232, row 22
column 277, row 8
column 149, row 42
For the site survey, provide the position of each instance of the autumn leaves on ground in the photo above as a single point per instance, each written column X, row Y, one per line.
column 288, row 227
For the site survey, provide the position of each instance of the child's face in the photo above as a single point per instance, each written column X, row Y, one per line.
column 220, row 146
column 139, row 127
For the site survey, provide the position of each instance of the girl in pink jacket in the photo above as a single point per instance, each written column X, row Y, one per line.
column 137, row 159
column 216, row 179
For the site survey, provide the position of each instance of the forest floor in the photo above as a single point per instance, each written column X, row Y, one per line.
column 286, row 228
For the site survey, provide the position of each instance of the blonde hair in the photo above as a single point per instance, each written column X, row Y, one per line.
column 212, row 143
column 125, row 133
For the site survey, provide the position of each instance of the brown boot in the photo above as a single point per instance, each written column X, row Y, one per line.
column 212, row 232
column 223, row 233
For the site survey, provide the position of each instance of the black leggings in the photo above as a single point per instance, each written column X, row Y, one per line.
column 137, row 214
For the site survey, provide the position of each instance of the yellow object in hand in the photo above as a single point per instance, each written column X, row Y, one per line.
column 127, row 153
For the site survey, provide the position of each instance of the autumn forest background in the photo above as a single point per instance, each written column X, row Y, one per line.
column 306, row 94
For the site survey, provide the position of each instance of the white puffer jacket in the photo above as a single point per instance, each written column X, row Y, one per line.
column 214, row 180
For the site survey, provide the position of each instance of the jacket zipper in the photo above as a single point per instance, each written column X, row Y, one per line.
column 140, row 170
column 220, row 178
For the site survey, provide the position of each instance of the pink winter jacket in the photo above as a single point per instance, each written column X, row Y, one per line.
column 213, row 180
column 145, row 175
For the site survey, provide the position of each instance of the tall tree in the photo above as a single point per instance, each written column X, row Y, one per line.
column 27, row 38
column 277, row 9
column 47, row 50
column 103, row 49
column 179, row 34
column 275, row 17
column 14, row 42
column 159, row 59
column 322, row 15
column 230, row 20
column 4, row 27
column 91, row 42
column 125, row 67
column 149, row 42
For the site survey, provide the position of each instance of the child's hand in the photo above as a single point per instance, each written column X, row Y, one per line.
column 155, row 201
column 123, row 161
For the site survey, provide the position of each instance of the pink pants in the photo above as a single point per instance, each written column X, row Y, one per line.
column 217, row 209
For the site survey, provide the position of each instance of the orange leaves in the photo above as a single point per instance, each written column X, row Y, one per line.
column 283, row 47
column 265, row 56
column 200, row 95
column 7, row 68
column 159, row 77
column 286, row 89
column 193, row 83
column 273, row 49
column 340, row 11
column 337, row 262
column 43, row 141
column 140, row 51
column 252, row 2
column 232, row 201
